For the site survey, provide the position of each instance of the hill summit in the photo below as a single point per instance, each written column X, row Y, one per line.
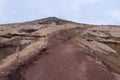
column 57, row 49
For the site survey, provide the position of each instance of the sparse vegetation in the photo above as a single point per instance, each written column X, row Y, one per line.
column 21, row 42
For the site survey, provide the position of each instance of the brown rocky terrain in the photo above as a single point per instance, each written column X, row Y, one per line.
column 56, row 49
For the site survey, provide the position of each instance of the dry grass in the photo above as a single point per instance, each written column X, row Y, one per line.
column 17, row 59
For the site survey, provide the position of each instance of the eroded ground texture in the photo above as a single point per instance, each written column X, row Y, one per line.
column 56, row 49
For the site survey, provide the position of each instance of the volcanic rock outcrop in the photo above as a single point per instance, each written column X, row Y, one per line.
column 56, row 49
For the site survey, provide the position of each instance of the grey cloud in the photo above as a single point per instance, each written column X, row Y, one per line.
column 86, row 11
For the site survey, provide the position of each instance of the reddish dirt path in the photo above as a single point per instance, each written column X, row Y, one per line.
column 65, row 62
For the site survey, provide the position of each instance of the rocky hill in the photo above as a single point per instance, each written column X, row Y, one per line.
column 56, row 49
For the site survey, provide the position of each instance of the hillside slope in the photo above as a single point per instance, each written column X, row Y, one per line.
column 56, row 49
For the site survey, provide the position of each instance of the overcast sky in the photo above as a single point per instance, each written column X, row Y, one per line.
column 83, row 11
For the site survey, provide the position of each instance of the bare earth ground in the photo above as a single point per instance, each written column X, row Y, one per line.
column 56, row 49
column 65, row 62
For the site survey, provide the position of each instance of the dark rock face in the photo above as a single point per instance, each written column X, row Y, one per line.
column 52, row 20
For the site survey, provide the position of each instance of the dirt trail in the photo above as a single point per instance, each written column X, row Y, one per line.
column 65, row 62
column 42, row 50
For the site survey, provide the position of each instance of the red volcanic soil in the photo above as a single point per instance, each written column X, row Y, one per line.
column 65, row 62
column 62, row 60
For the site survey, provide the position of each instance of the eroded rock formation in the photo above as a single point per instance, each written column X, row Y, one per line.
column 56, row 49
